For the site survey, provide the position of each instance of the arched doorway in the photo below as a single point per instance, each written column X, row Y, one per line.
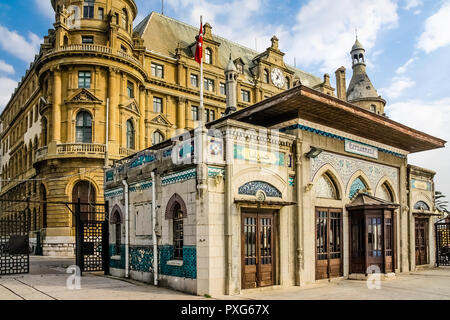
column 84, row 192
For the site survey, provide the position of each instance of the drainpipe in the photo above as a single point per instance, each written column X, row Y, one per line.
column 107, row 134
column 127, row 234
column 155, row 240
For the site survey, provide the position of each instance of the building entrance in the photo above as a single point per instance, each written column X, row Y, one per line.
column 328, row 243
column 258, row 248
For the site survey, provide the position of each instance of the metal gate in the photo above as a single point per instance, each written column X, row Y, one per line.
column 14, row 244
column 92, row 240
column 443, row 242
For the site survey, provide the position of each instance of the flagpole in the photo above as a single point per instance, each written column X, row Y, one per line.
column 202, row 106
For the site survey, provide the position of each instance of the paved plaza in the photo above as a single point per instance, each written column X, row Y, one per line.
column 48, row 281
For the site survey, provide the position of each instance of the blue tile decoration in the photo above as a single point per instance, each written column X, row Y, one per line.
column 178, row 177
column 421, row 205
column 143, row 185
column 251, row 188
column 216, row 147
column 141, row 259
column 113, row 193
column 117, row 264
column 215, row 171
column 291, row 181
column 189, row 268
column 357, row 185
column 334, row 136
column 141, row 159
column 109, row 175
column 167, row 153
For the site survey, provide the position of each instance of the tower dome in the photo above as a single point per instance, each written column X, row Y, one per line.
column 361, row 90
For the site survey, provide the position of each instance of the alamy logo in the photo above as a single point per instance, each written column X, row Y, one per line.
column 373, row 278
column 74, row 281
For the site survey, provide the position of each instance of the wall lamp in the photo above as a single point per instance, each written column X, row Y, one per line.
column 313, row 153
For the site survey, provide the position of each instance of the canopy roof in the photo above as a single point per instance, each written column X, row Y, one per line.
column 311, row 105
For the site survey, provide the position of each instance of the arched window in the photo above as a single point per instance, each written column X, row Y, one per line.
column 157, row 137
column 287, row 83
column 84, row 127
column 266, row 76
column 208, row 56
column 385, row 193
column 84, row 192
column 116, row 219
column 325, row 187
column 178, row 232
column 130, row 134
column 44, row 132
column 358, row 185
column 421, row 205
column 125, row 19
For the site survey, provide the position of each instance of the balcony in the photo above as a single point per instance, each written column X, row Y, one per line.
column 80, row 148
column 71, row 150
column 94, row 48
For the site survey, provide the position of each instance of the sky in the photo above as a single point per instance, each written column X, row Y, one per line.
column 407, row 46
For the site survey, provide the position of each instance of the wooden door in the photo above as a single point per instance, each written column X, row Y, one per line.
column 258, row 251
column 421, row 241
column 328, row 243
column 374, row 240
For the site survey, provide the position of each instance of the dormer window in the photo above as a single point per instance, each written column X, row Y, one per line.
column 88, row 9
column 208, row 56
column 240, row 68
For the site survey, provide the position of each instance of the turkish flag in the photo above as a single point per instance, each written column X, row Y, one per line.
column 199, row 49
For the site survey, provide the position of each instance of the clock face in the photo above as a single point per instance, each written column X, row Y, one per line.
column 277, row 78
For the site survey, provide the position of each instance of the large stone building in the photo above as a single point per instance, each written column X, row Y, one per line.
column 297, row 188
column 100, row 89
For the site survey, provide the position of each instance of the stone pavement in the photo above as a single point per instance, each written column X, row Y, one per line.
column 47, row 281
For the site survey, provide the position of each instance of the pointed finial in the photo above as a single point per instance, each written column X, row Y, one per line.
column 356, row 33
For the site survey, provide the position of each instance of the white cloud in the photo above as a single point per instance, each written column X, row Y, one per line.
column 325, row 29
column 6, row 68
column 45, row 7
column 433, row 118
column 397, row 87
column 7, row 87
column 19, row 46
column 436, row 34
column 322, row 34
column 404, row 67
column 411, row 4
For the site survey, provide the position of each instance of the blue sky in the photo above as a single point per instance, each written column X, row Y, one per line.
column 407, row 43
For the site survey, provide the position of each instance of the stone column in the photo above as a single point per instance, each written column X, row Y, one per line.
column 181, row 113
column 113, row 110
column 56, row 110
column 142, row 117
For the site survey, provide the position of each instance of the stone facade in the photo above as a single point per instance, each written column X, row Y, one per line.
column 100, row 88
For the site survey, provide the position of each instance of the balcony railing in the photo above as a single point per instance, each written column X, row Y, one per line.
column 94, row 48
column 125, row 152
column 80, row 148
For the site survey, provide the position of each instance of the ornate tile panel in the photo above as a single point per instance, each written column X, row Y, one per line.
column 214, row 171
column 179, row 177
column 113, row 193
column 346, row 167
column 138, row 186
column 251, row 188
column 141, row 259
column 189, row 267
